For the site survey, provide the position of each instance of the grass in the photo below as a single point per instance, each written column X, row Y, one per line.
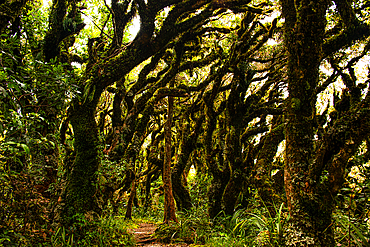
column 107, row 231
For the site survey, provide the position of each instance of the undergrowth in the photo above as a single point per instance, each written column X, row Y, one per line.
column 243, row 228
column 250, row 227
column 106, row 231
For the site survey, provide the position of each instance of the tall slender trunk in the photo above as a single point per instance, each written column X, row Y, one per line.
column 169, row 202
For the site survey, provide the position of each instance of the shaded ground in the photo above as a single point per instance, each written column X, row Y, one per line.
column 143, row 236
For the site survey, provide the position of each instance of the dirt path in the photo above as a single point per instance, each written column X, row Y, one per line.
column 143, row 236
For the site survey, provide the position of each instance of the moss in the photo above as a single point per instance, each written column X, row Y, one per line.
column 295, row 104
column 80, row 190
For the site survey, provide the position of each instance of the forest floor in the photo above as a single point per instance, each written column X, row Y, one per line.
column 144, row 236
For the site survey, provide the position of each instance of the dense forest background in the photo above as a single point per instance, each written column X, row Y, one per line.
column 233, row 123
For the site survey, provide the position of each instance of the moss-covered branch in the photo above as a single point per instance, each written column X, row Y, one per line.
column 9, row 11
column 64, row 21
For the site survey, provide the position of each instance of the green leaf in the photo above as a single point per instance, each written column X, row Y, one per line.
column 359, row 235
column 26, row 148
column 11, row 143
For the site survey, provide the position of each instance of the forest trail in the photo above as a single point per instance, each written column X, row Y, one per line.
column 144, row 236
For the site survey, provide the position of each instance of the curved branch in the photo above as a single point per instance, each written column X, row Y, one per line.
column 9, row 11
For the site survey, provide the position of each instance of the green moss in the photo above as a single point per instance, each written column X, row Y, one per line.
column 295, row 104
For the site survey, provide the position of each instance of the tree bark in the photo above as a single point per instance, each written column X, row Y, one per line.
column 9, row 11
column 58, row 30
column 131, row 199
column 169, row 202
column 188, row 144
column 80, row 189
column 236, row 164
column 262, row 178
column 182, row 195
column 233, row 148
column 310, row 223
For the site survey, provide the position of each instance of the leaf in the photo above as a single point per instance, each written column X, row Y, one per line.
column 359, row 235
column 25, row 148
column 11, row 143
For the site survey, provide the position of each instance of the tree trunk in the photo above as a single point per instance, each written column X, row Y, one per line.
column 234, row 158
column 181, row 193
column 216, row 190
column 130, row 202
column 262, row 177
column 216, row 165
column 188, row 145
column 169, row 202
column 9, row 11
column 81, row 181
column 310, row 223
column 151, row 176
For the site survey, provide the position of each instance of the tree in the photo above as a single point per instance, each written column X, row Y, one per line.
column 150, row 42
column 315, row 169
column 199, row 83
column 34, row 95
column 232, row 106
column 10, row 11
column 169, row 201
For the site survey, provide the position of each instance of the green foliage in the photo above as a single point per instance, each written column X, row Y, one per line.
column 254, row 226
column 32, row 106
column 351, row 231
column 14, row 155
column 352, row 214
column 198, row 187
column 111, row 177
column 193, row 227
column 105, row 231
column 61, row 238
column 35, row 96
column 172, row 232
column 23, row 210
column 154, row 212
column 251, row 228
